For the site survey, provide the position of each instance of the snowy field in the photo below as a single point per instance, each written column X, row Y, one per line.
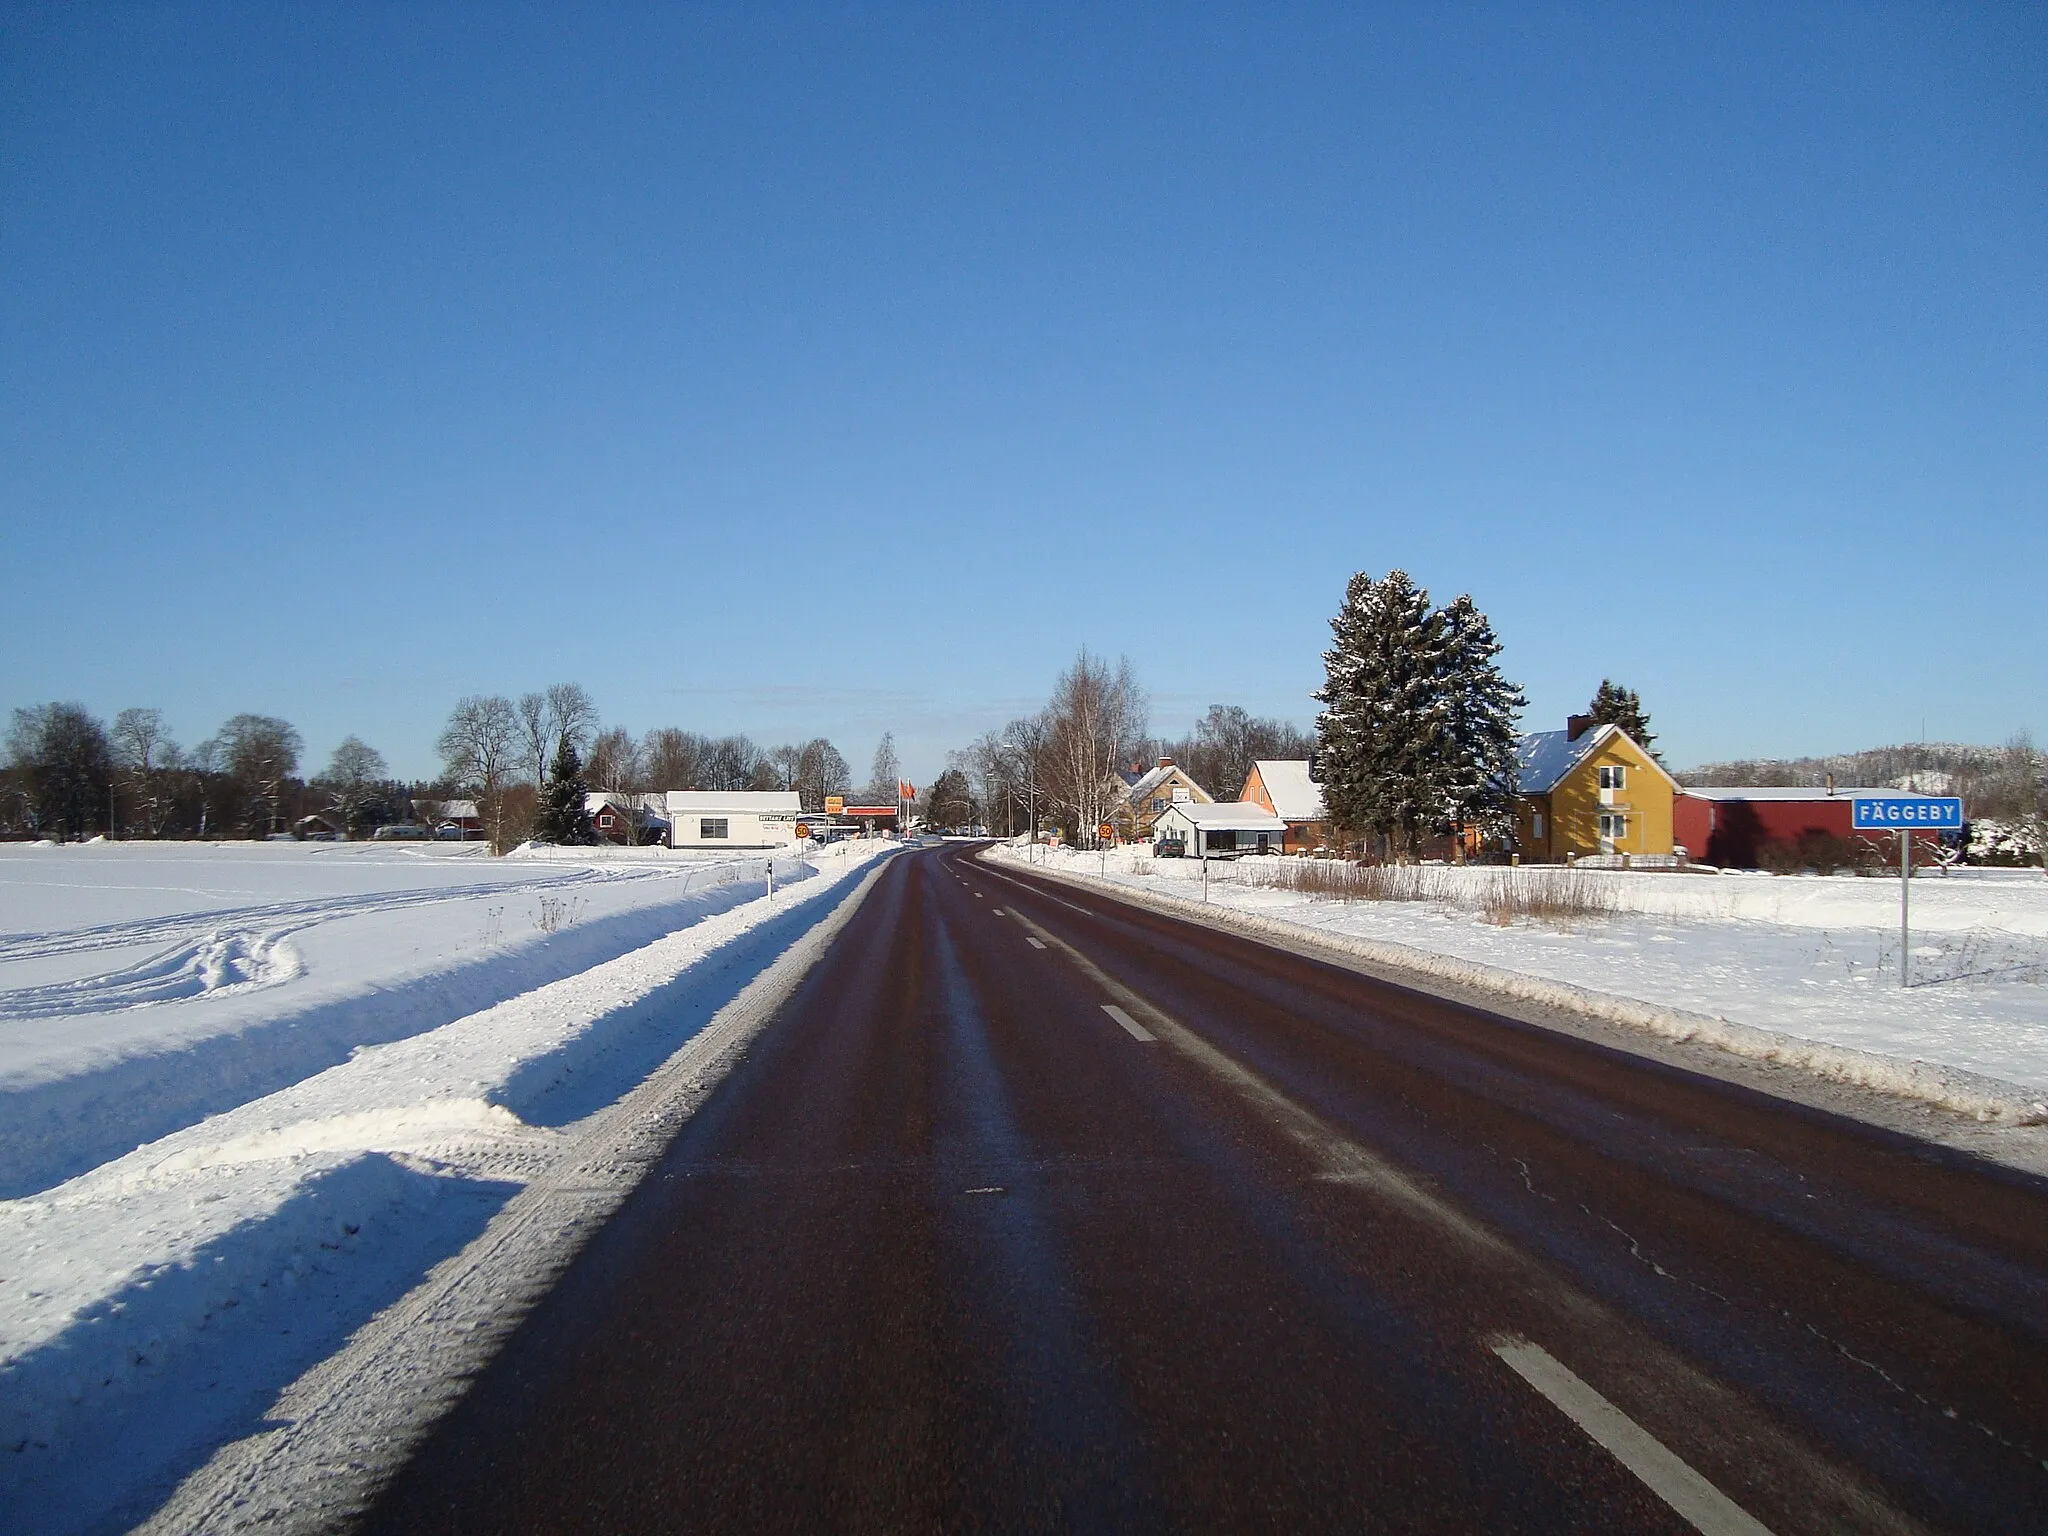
column 1811, row 957
column 250, row 1093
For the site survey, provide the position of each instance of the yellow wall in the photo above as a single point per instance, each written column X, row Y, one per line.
column 1572, row 810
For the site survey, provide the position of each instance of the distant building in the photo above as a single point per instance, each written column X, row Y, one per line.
column 1737, row 828
column 1590, row 789
column 1137, row 805
column 738, row 818
column 459, row 819
column 1283, row 787
column 1191, row 829
column 616, row 818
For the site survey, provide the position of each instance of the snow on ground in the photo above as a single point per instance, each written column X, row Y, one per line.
column 1807, row 956
column 310, row 1131
column 144, row 986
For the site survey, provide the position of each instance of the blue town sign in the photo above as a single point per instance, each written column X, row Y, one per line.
column 1886, row 812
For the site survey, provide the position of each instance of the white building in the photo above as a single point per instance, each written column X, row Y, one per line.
column 1221, row 831
column 735, row 818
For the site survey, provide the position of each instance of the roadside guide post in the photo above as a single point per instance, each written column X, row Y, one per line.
column 1905, row 815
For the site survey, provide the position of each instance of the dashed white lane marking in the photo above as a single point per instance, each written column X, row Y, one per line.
column 1138, row 1031
column 998, row 911
column 1703, row 1506
column 1034, row 943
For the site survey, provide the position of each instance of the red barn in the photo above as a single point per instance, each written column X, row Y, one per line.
column 1730, row 827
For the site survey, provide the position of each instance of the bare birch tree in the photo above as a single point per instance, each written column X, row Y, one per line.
column 1095, row 720
column 480, row 749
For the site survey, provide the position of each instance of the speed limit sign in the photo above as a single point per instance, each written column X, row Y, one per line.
column 1105, row 830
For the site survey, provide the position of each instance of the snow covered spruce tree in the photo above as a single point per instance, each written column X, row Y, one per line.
column 1417, row 728
column 1616, row 705
column 562, row 817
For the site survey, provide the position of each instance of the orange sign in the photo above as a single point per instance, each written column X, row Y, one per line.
column 1105, row 830
column 803, row 830
column 834, row 804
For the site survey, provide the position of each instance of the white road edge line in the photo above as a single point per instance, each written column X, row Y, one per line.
column 1137, row 1030
column 1703, row 1506
column 1034, row 943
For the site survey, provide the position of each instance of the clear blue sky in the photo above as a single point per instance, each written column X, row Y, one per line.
column 838, row 370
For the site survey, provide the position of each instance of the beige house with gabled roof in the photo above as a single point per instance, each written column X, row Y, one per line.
column 1139, row 803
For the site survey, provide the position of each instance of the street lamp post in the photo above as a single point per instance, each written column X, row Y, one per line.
column 1031, row 793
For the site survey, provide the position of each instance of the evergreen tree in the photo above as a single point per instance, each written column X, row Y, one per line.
column 1417, row 728
column 1616, row 705
column 1478, row 778
column 1380, row 683
column 562, row 817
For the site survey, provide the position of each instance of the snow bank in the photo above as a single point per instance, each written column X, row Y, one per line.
column 156, row 1304
column 1798, row 971
column 191, row 978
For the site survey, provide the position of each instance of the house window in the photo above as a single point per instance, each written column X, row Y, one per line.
column 709, row 827
column 605, row 820
column 1614, row 828
column 1536, row 824
column 1612, row 776
column 1158, row 805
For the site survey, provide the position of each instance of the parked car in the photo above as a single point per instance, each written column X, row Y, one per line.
column 400, row 832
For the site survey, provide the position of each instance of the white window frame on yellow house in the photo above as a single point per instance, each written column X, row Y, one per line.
column 1614, row 776
column 1613, row 826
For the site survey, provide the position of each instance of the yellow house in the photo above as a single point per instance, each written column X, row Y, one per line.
column 1589, row 789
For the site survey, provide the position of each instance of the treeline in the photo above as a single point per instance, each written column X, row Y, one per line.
column 70, row 775
column 502, row 752
column 1066, row 760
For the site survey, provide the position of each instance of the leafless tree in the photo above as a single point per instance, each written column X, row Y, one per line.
column 536, row 735
column 146, row 756
column 674, row 759
column 616, row 770
column 885, row 774
column 574, row 714
column 820, row 771
column 1093, row 723
column 354, row 776
column 731, row 763
column 1219, row 754
column 60, row 752
column 479, row 749
column 260, row 754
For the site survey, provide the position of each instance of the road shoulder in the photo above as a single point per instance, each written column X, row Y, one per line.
column 2000, row 1122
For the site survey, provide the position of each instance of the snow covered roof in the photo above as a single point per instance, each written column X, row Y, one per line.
column 1159, row 775
column 595, row 800
column 1794, row 792
column 739, row 802
column 459, row 810
column 1543, row 758
column 1238, row 815
column 1295, row 797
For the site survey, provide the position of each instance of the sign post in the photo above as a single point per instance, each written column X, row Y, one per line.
column 1905, row 815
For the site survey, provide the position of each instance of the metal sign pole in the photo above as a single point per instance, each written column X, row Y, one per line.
column 1905, row 927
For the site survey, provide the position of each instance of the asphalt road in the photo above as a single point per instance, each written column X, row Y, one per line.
column 1033, row 1210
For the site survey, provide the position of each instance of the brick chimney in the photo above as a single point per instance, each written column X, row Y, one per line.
column 1166, row 762
column 1576, row 726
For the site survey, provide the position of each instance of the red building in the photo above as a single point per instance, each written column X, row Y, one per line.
column 1731, row 827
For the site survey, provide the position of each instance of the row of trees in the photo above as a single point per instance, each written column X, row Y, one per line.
column 519, row 758
column 70, row 775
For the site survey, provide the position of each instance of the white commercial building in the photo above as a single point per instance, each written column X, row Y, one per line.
column 738, row 818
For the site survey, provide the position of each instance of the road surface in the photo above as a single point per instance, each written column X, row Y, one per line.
column 1033, row 1210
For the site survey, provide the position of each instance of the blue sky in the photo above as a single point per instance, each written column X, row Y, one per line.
column 839, row 370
